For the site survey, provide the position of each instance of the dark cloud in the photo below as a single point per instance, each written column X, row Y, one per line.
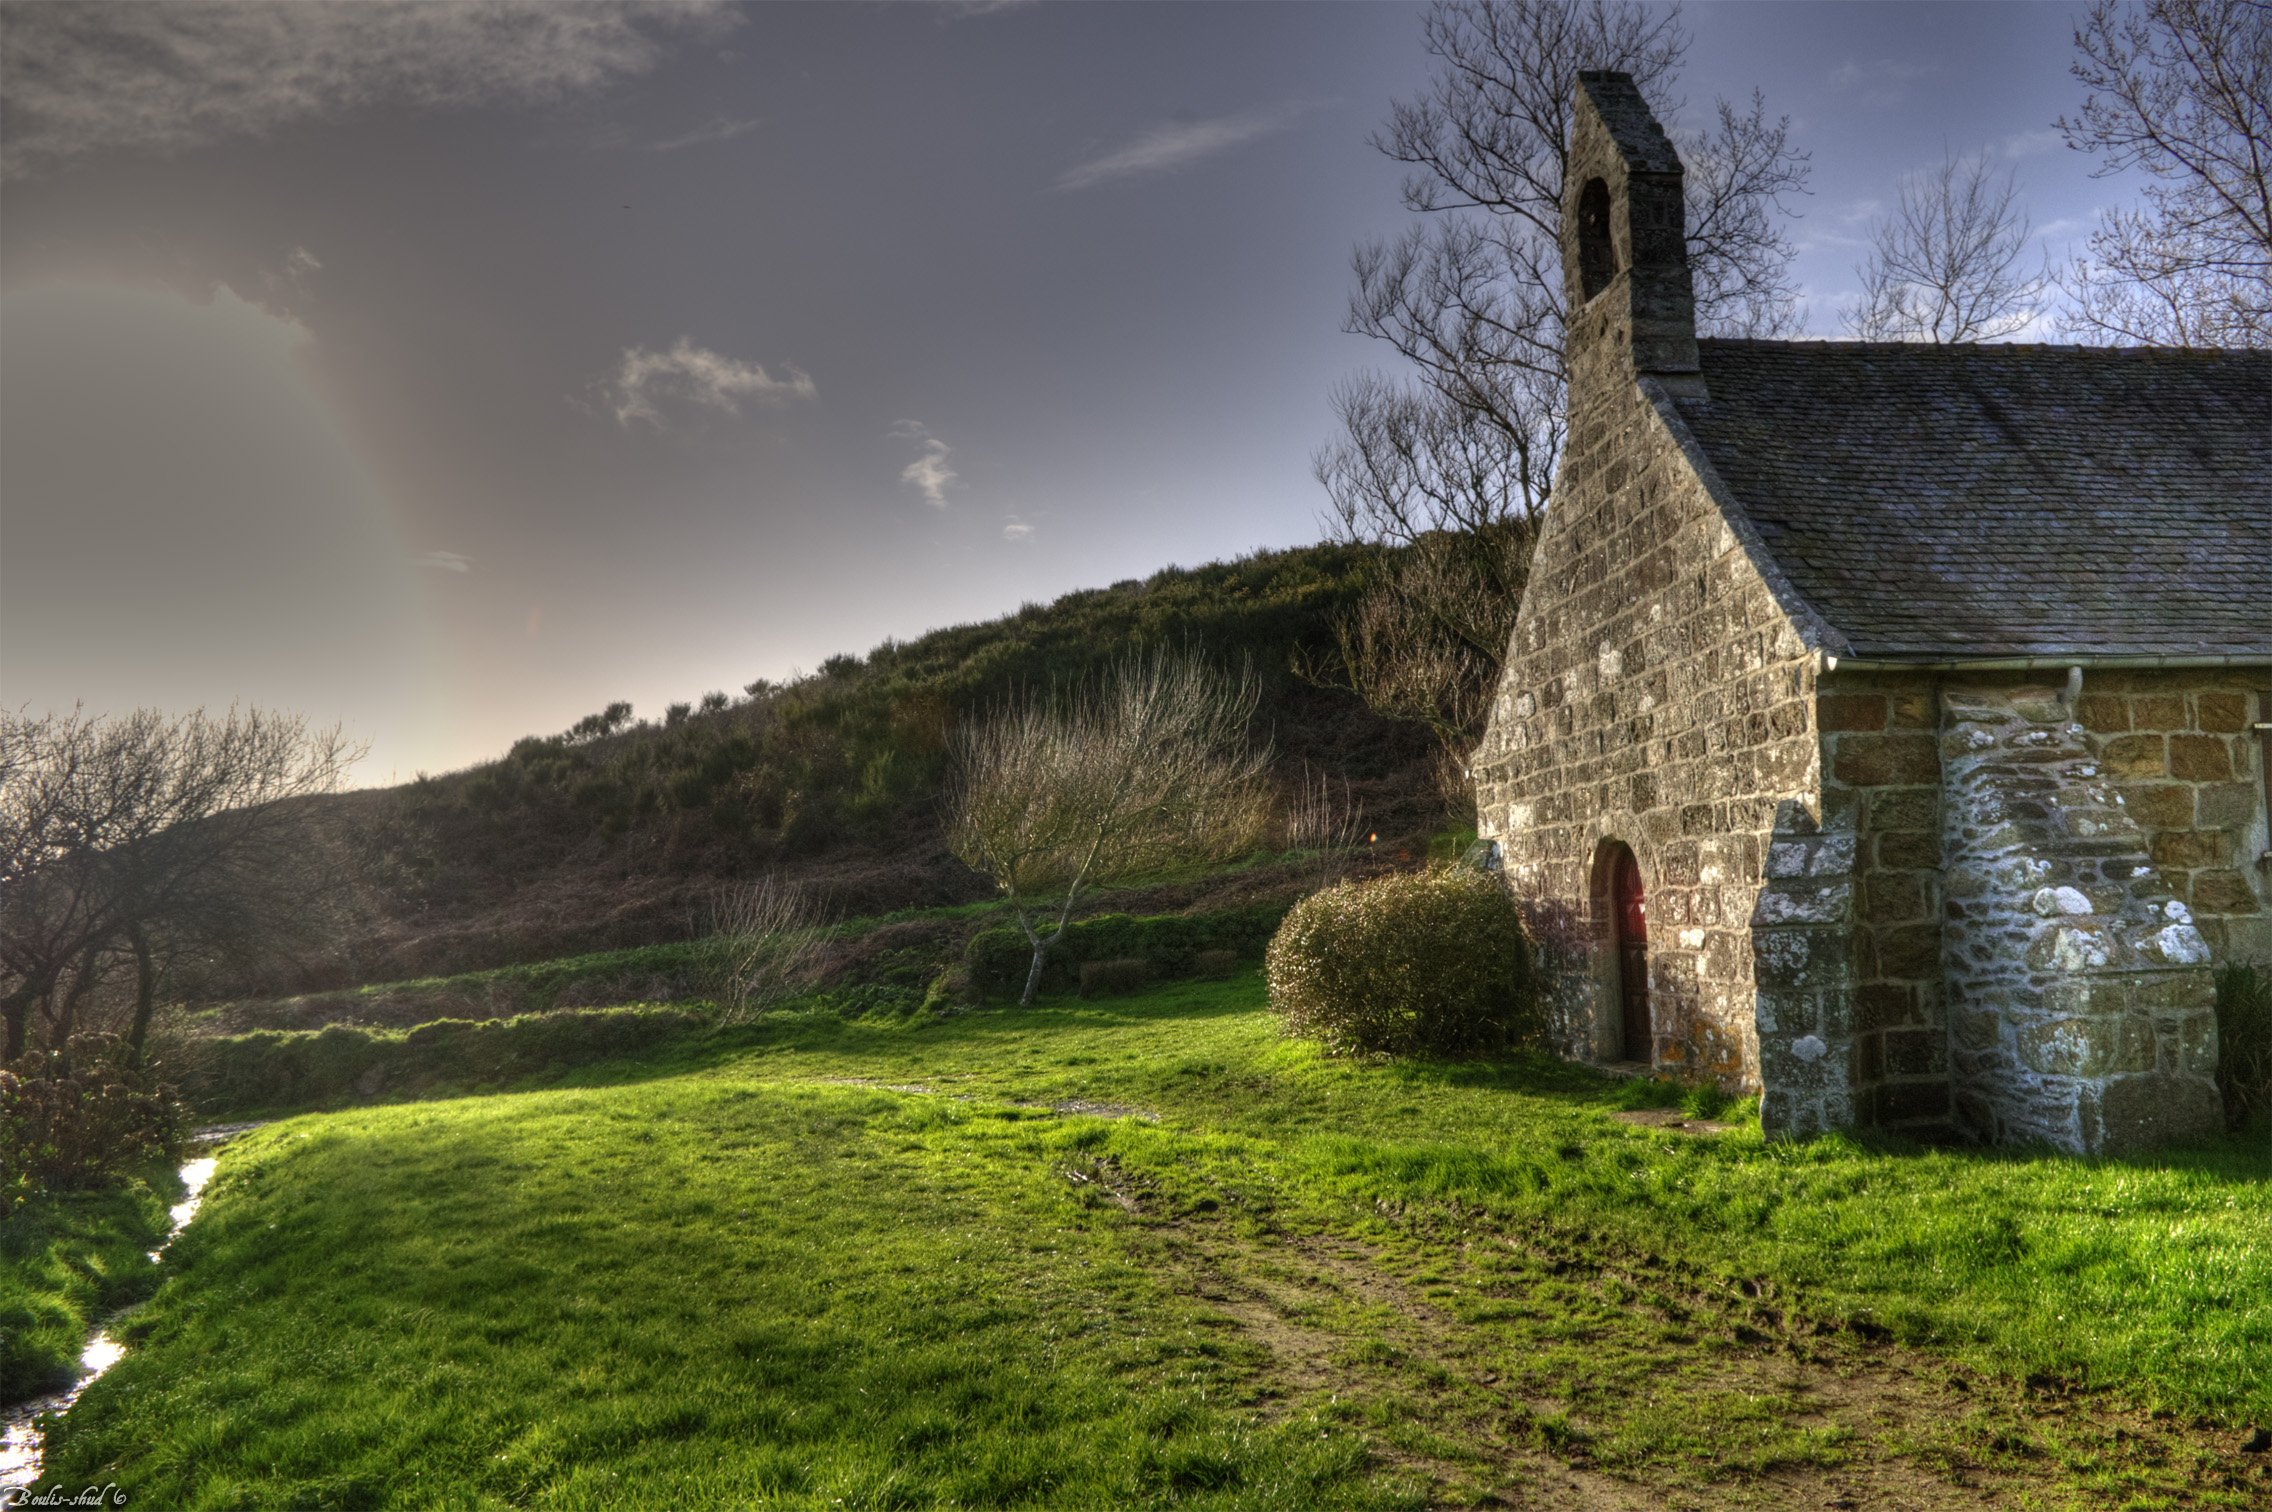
column 83, row 78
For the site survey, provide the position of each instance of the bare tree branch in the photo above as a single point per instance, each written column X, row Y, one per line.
column 116, row 832
column 1949, row 264
column 2182, row 91
column 1464, row 443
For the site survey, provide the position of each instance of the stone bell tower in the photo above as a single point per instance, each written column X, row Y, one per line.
column 1625, row 271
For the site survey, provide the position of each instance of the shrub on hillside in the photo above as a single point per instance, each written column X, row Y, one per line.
column 81, row 1121
column 1174, row 943
column 2244, row 1042
column 1423, row 963
column 765, row 945
column 1116, row 978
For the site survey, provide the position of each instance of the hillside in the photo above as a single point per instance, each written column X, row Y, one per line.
column 610, row 836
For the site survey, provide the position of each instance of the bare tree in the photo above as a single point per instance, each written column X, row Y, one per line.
column 2182, row 91
column 117, row 833
column 765, row 942
column 1151, row 768
column 1326, row 824
column 1470, row 299
column 1950, row 263
column 1426, row 641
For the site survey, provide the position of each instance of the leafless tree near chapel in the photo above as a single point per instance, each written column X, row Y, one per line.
column 2180, row 90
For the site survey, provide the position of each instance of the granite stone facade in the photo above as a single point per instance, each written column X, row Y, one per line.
column 1885, row 883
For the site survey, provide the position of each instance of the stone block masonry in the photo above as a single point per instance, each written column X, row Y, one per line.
column 1875, row 890
column 1882, row 781
column 1803, row 974
column 1657, row 691
column 2081, row 1010
column 2179, row 748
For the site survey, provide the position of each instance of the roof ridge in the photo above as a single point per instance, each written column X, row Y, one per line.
column 1969, row 348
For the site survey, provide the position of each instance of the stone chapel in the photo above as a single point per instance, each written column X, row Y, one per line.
column 1884, row 730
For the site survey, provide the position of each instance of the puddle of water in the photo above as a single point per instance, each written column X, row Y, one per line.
column 20, row 1439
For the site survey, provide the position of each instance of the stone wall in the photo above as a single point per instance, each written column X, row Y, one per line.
column 2080, row 1008
column 1802, row 941
column 2178, row 746
column 1882, row 778
column 1657, row 690
column 1654, row 694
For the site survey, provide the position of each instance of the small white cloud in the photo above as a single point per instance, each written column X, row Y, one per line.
column 719, row 129
column 2027, row 144
column 1161, row 148
column 1015, row 529
column 445, row 561
column 644, row 382
column 1880, row 71
column 929, row 472
column 1879, row 81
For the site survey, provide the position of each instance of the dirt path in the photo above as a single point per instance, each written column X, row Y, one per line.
column 1502, row 1370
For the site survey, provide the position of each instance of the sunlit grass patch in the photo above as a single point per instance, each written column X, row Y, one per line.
column 1147, row 1251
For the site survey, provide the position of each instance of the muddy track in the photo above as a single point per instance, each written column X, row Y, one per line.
column 1509, row 1371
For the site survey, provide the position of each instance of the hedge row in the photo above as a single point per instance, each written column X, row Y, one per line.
column 275, row 1070
column 1173, row 943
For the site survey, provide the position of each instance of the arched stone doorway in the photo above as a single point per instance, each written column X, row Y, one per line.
column 1623, row 909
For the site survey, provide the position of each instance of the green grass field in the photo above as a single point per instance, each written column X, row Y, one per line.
column 67, row 1259
column 1149, row 1252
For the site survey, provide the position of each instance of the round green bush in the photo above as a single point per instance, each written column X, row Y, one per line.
column 1422, row 963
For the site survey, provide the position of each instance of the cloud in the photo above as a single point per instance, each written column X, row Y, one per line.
column 1880, row 81
column 929, row 472
column 2027, row 144
column 644, row 382
column 284, row 288
column 1161, row 148
column 964, row 10
column 78, row 79
column 1015, row 529
column 445, row 561
column 720, row 129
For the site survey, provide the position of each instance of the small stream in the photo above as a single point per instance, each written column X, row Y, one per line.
column 20, row 1445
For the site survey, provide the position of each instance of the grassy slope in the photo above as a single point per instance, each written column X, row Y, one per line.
column 834, row 779
column 781, row 1270
column 66, row 1259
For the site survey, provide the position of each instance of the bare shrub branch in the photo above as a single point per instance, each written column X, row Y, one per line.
column 765, row 944
column 1324, row 822
column 1150, row 768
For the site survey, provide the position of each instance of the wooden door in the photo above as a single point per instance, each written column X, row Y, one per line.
column 1629, row 915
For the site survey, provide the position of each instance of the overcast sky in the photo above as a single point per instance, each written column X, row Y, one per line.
column 452, row 371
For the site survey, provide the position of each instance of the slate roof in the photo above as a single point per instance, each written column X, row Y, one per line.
column 2005, row 500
